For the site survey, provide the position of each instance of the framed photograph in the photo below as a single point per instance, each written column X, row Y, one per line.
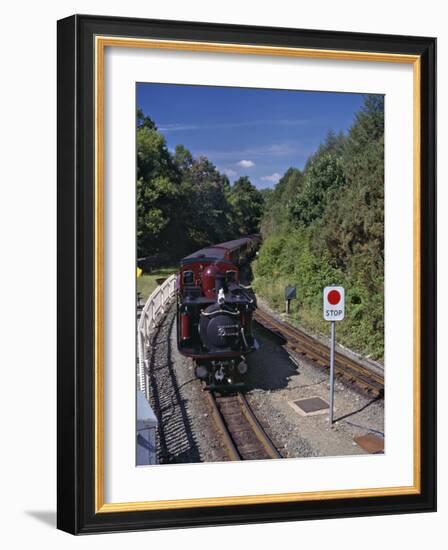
column 246, row 274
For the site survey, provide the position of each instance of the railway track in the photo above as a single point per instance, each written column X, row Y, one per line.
column 243, row 436
column 347, row 369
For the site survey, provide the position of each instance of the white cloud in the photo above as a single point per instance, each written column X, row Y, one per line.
column 293, row 148
column 273, row 178
column 229, row 172
column 180, row 127
column 246, row 163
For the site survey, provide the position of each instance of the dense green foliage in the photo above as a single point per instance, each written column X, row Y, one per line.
column 326, row 226
column 247, row 203
column 185, row 203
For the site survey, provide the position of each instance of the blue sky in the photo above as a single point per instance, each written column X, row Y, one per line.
column 246, row 131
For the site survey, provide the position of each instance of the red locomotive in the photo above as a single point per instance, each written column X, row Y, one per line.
column 214, row 314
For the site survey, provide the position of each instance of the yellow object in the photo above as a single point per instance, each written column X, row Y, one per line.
column 139, row 272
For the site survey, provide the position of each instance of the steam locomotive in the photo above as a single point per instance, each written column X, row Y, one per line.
column 214, row 311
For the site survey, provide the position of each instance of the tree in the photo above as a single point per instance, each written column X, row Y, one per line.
column 182, row 202
column 158, row 189
column 334, row 232
column 144, row 121
column 354, row 225
column 247, row 203
column 183, row 159
column 279, row 201
column 206, row 209
column 324, row 174
column 185, row 203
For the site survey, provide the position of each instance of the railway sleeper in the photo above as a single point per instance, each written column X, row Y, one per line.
column 242, row 439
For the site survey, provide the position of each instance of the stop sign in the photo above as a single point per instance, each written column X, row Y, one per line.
column 334, row 303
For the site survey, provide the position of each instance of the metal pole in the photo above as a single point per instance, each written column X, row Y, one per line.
column 333, row 330
column 287, row 307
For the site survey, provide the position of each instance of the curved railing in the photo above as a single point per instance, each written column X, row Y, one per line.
column 152, row 313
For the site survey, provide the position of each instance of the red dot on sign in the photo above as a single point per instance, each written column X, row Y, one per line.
column 334, row 297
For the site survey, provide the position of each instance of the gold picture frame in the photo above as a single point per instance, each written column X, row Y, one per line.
column 96, row 35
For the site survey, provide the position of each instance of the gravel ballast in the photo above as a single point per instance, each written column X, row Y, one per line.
column 276, row 378
column 186, row 430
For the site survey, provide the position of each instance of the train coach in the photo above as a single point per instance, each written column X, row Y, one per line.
column 214, row 311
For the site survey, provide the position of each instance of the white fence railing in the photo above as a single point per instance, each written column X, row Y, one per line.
column 151, row 315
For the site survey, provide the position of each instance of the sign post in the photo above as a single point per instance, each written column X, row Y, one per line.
column 290, row 294
column 333, row 331
column 334, row 310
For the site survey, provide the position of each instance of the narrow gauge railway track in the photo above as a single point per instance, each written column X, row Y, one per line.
column 243, row 436
column 347, row 369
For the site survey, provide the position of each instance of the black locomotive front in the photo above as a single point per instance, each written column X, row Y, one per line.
column 215, row 319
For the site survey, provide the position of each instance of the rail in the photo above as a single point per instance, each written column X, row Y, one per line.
column 150, row 317
column 244, row 438
column 351, row 371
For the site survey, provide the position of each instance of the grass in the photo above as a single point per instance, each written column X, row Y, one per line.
column 147, row 283
column 307, row 315
column 273, row 291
